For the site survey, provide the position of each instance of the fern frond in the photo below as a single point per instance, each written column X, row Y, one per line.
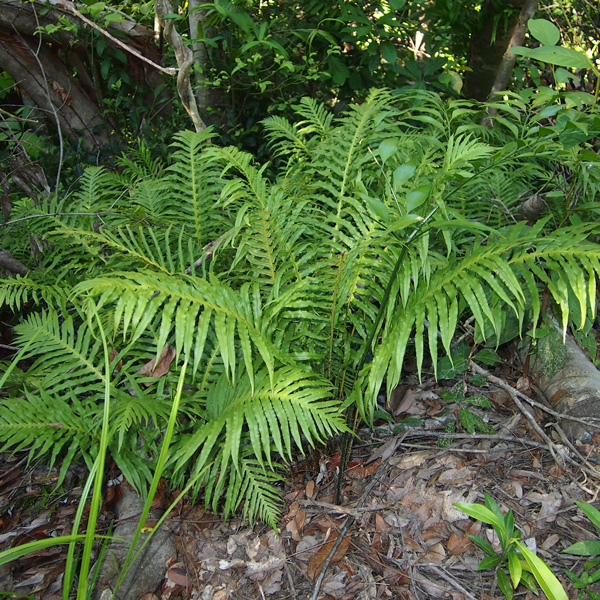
column 66, row 354
column 17, row 291
column 254, row 486
column 284, row 137
column 166, row 250
column 56, row 425
column 193, row 186
column 316, row 118
column 462, row 151
column 95, row 193
column 297, row 405
column 187, row 308
column 503, row 272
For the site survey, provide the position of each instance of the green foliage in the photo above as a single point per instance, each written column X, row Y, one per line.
column 548, row 36
column 586, row 548
column 468, row 419
column 523, row 566
column 291, row 292
column 262, row 59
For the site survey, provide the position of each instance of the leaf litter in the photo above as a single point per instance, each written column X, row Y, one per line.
column 406, row 539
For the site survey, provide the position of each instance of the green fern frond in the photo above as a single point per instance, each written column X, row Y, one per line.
column 166, row 250
column 194, row 186
column 462, row 151
column 55, row 425
column 139, row 163
column 17, row 291
column 66, row 354
column 284, row 137
column 138, row 407
column 316, row 117
column 296, row 406
column 491, row 274
column 95, row 193
column 187, row 308
column 254, row 486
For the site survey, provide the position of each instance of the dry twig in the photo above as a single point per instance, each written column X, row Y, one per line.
column 344, row 530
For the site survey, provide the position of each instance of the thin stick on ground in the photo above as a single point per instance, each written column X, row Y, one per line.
column 560, row 455
column 588, row 421
column 452, row 581
column 344, row 530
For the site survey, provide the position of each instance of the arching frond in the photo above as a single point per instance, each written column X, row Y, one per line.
column 65, row 352
column 186, row 308
column 57, row 425
column 17, row 291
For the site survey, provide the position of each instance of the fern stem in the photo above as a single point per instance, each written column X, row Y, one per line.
column 336, row 289
column 352, row 415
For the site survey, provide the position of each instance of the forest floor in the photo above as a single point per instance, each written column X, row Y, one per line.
column 401, row 535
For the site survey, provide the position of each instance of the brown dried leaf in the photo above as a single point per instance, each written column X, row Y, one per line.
column 296, row 524
column 380, row 524
column 550, row 541
column 162, row 365
column 384, row 451
column 178, row 575
column 62, row 93
column 458, row 545
column 356, row 470
column 113, row 354
column 396, row 404
column 436, row 554
column 295, row 495
column 310, row 489
column 316, row 562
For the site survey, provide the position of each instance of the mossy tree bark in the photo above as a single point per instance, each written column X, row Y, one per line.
column 491, row 61
column 569, row 381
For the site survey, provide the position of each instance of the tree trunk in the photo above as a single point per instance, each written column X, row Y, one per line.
column 42, row 65
column 568, row 380
column 197, row 23
column 491, row 61
column 48, row 83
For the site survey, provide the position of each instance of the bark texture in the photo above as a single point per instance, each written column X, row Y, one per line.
column 185, row 60
column 50, row 68
column 569, row 381
column 491, row 61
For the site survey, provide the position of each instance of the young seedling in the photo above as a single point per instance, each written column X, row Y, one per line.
column 586, row 548
column 522, row 564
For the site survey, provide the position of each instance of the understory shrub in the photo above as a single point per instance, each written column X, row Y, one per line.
column 291, row 294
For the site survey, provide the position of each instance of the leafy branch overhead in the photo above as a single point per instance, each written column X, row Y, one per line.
column 293, row 290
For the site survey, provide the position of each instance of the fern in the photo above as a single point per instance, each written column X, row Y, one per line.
column 48, row 424
column 293, row 292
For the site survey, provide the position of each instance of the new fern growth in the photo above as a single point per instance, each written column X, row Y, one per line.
column 271, row 285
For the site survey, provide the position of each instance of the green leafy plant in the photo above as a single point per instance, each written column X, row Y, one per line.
column 588, row 576
column 515, row 563
column 469, row 420
column 292, row 295
column 548, row 35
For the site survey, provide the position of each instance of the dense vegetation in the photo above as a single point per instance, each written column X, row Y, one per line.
column 242, row 305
